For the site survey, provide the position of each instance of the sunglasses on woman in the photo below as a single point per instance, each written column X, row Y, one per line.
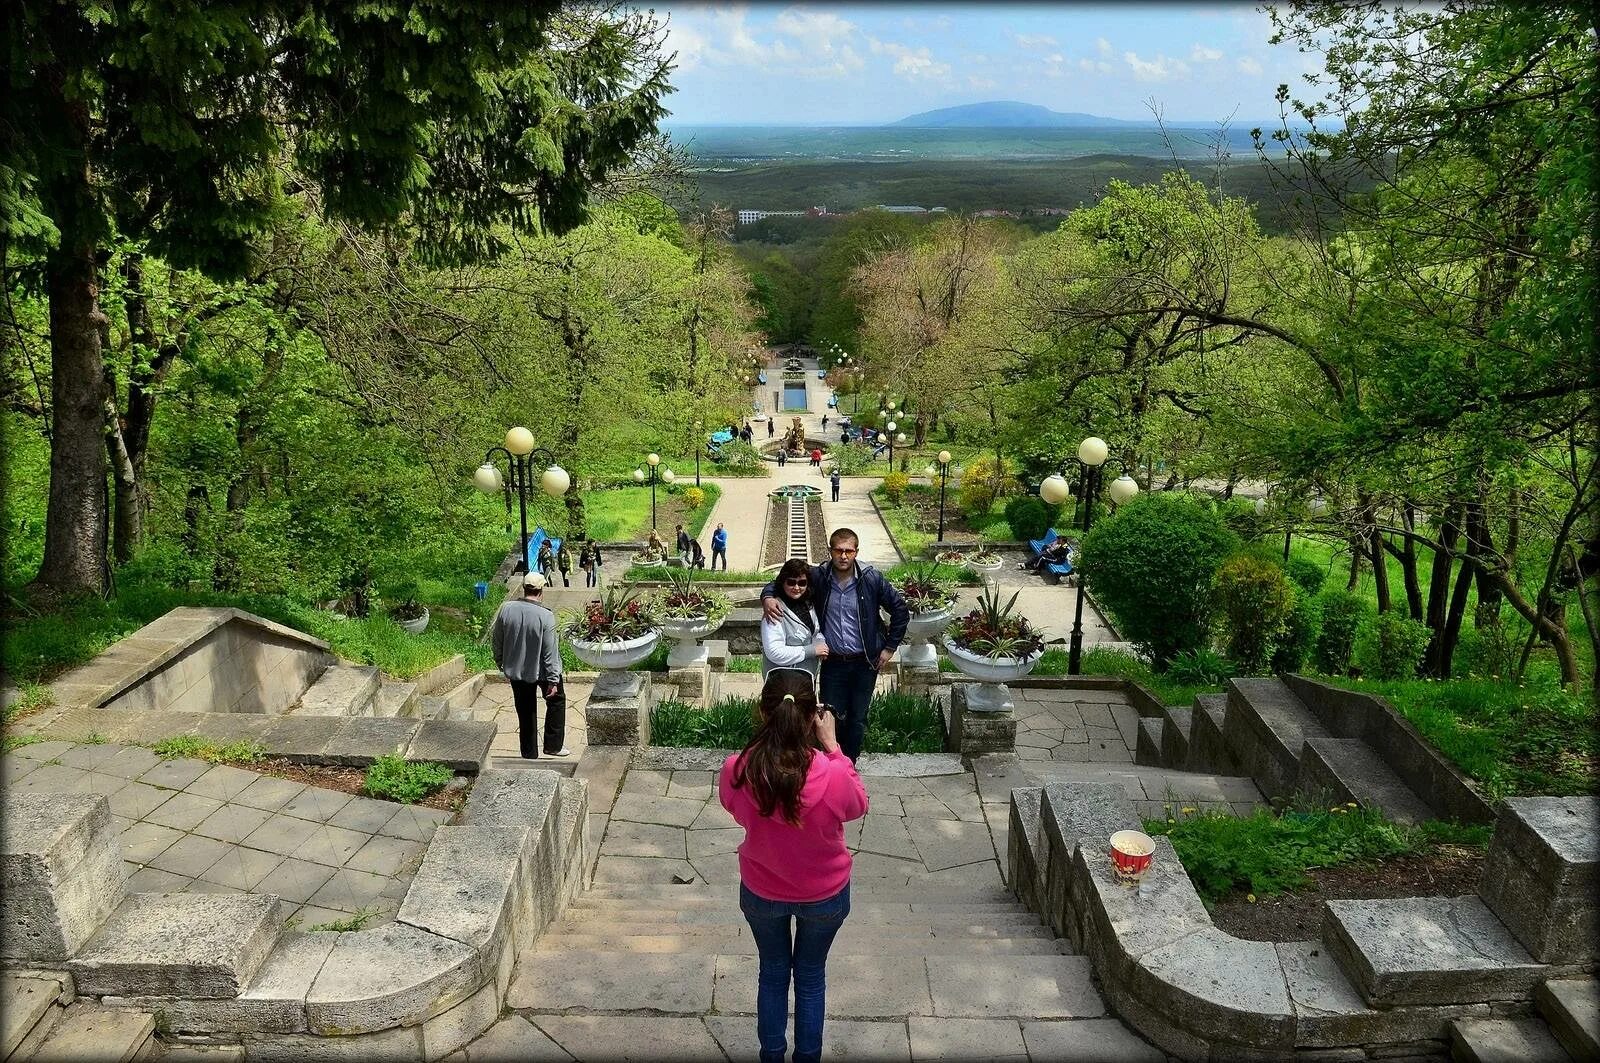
column 796, row 582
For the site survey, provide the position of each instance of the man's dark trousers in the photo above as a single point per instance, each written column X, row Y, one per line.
column 836, row 492
column 847, row 684
column 722, row 552
column 555, row 717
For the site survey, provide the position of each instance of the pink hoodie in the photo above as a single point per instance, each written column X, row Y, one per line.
column 806, row 863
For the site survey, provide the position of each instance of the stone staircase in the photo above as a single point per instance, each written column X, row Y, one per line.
column 362, row 690
column 915, row 962
column 1567, row 1028
column 1295, row 735
column 41, row 1020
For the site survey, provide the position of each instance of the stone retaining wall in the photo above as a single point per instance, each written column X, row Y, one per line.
column 1199, row 993
column 220, row 969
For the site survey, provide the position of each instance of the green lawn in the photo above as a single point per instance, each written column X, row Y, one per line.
column 914, row 536
column 624, row 512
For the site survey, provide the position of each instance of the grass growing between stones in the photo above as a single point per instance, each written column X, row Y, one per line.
column 899, row 722
column 358, row 921
column 1268, row 853
column 745, row 663
column 394, row 779
column 243, row 752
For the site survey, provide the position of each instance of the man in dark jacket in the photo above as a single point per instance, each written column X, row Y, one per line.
column 525, row 648
column 850, row 599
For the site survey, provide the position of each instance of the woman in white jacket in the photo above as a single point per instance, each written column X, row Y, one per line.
column 794, row 640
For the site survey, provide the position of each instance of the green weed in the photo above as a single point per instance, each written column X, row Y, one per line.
column 11, row 742
column 188, row 745
column 356, row 922
column 394, row 779
column 745, row 663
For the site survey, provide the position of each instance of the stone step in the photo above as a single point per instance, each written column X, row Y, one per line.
column 203, row 945
column 1266, row 726
column 395, row 698
column 1208, row 753
column 849, row 942
column 1504, row 1041
column 466, row 692
column 431, row 707
column 1350, row 770
column 1429, row 950
column 1572, row 1008
column 1177, row 720
column 1147, row 749
column 911, row 894
column 88, row 1033
column 341, row 690
column 992, row 925
column 722, row 901
column 25, row 1002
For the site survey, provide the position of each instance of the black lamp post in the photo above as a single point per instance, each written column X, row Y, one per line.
column 653, row 461
column 944, row 476
column 1092, row 454
column 520, row 455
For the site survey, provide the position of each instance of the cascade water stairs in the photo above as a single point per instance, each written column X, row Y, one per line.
column 798, row 530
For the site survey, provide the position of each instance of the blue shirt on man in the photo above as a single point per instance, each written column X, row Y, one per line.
column 842, row 624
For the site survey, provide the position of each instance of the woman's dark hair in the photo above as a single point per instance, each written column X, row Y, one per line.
column 778, row 758
column 793, row 569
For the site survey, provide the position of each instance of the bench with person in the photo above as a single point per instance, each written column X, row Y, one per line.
column 1052, row 554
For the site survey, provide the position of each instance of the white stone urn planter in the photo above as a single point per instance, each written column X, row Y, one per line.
column 686, row 632
column 614, row 656
column 659, row 562
column 920, row 651
column 992, row 566
column 987, row 669
column 417, row 626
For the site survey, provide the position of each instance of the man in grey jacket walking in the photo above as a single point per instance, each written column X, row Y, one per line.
column 525, row 648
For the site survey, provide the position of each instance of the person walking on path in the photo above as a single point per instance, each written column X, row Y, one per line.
column 547, row 562
column 850, row 600
column 816, row 458
column 526, row 650
column 697, row 556
column 564, row 564
column 793, row 800
column 588, row 560
column 824, row 421
column 794, row 640
column 719, row 547
column 783, row 456
column 683, row 546
column 772, row 427
column 833, row 482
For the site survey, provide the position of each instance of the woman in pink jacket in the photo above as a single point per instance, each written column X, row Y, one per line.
column 793, row 800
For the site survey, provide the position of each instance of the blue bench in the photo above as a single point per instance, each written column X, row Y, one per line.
column 537, row 540
column 1037, row 545
column 761, row 377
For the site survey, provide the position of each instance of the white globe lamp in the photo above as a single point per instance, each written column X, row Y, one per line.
column 1122, row 489
column 555, row 481
column 488, row 479
column 1054, row 489
column 1093, row 451
column 519, row 441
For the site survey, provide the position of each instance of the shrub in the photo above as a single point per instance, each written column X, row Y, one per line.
column 1299, row 636
column 393, row 779
column 1255, row 599
column 1028, row 517
column 1341, row 616
column 738, row 455
column 694, row 497
column 983, row 482
column 1305, row 573
column 1201, row 667
column 1152, row 565
column 1390, row 646
column 894, row 487
column 851, row 459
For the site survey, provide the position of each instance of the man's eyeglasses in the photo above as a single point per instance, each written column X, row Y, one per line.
column 843, row 551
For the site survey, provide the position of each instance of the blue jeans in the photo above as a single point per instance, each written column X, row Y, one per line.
column 847, row 685
column 806, row 954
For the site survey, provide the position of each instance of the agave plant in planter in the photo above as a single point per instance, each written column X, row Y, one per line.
column 994, row 643
column 687, row 614
column 950, row 557
column 615, row 631
column 406, row 611
column 985, row 560
column 650, row 557
column 932, row 600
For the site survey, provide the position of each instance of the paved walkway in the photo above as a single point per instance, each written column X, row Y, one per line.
column 187, row 826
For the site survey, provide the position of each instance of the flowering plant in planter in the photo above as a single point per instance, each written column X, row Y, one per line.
column 619, row 616
column 925, row 591
column 682, row 600
column 995, row 630
column 650, row 555
column 950, row 557
column 985, row 558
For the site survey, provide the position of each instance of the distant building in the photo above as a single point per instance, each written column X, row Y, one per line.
column 747, row 217
column 994, row 214
column 902, row 209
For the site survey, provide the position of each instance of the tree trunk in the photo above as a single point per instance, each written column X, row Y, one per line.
column 1434, row 663
column 127, row 519
column 1408, row 564
column 76, row 518
column 195, row 507
column 147, row 365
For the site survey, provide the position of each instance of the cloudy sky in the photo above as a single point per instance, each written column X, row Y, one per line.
column 820, row 64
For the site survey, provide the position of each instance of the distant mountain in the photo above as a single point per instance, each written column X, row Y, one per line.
column 1007, row 114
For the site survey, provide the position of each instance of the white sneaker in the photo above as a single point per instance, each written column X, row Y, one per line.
column 562, row 752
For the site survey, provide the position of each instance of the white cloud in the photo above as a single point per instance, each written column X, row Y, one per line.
column 820, row 26
column 1033, row 41
column 913, row 64
column 980, row 83
column 1158, row 69
column 1203, row 54
column 1094, row 66
column 801, row 43
column 689, row 44
column 1249, row 66
column 1103, row 46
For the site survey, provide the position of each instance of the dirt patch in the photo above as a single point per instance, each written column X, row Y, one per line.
column 777, row 533
column 349, row 780
column 816, row 531
column 1444, row 870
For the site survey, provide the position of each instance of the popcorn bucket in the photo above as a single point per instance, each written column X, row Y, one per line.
column 1131, row 854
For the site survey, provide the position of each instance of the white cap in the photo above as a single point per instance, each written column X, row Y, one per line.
column 534, row 581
